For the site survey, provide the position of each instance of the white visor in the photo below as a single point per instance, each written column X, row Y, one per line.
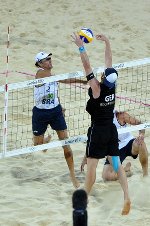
column 112, row 77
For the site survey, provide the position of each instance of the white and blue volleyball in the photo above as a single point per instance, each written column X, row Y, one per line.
column 86, row 34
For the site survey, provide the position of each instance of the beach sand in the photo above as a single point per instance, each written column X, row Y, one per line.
column 36, row 189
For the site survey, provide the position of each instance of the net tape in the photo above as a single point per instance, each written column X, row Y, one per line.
column 74, row 139
column 77, row 74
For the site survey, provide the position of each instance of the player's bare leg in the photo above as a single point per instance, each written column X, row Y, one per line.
column 38, row 139
column 143, row 158
column 69, row 158
column 47, row 140
column 141, row 149
column 126, row 207
column 127, row 169
column 108, row 173
column 90, row 174
column 124, row 184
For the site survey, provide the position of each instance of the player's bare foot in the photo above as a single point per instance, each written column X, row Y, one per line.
column 145, row 170
column 126, row 207
column 128, row 166
column 127, row 169
column 47, row 140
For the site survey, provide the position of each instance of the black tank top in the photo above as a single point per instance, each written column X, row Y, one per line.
column 101, row 108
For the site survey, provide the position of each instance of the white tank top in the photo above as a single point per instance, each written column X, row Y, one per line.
column 46, row 95
column 125, row 137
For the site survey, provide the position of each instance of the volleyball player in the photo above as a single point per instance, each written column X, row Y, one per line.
column 128, row 146
column 48, row 110
column 102, row 134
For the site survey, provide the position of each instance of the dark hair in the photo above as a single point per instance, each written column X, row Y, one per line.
column 37, row 64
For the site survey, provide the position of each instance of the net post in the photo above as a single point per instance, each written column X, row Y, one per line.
column 6, row 100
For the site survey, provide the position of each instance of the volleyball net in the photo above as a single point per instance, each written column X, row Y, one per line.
column 132, row 96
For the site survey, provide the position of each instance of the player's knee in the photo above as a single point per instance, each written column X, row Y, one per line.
column 107, row 173
column 62, row 134
column 136, row 147
column 109, row 176
column 104, row 176
column 68, row 153
column 37, row 140
column 143, row 148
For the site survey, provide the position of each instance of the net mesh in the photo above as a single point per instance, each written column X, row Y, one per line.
column 133, row 96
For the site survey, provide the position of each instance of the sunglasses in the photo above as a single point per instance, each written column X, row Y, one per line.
column 44, row 60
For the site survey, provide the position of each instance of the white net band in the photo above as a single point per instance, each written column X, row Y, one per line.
column 77, row 74
column 133, row 96
column 72, row 140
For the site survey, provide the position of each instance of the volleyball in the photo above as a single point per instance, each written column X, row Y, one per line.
column 86, row 34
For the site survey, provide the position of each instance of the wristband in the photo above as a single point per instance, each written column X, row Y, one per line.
column 90, row 76
column 81, row 49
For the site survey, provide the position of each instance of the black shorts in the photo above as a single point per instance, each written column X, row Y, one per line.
column 124, row 152
column 41, row 118
column 102, row 141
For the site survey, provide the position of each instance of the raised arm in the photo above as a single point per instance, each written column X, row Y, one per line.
column 108, row 53
column 124, row 117
column 93, row 82
column 84, row 57
column 73, row 80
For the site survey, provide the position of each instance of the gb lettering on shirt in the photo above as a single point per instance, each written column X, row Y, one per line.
column 110, row 98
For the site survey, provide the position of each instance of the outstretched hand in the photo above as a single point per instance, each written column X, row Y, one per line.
column 63, row 111
column 101, row 37
column 84, row 162
column 140, row 139
column 76, row 39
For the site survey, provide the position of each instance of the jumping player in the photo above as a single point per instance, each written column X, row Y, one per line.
column 48, row 110
column 102, row 134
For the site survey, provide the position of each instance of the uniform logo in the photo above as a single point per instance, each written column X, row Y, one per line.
column 110, row 98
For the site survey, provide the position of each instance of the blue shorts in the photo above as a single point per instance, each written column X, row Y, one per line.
column 41, row 118
column 124, row 152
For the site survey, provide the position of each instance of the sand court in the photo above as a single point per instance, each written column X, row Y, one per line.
column 35, row 188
